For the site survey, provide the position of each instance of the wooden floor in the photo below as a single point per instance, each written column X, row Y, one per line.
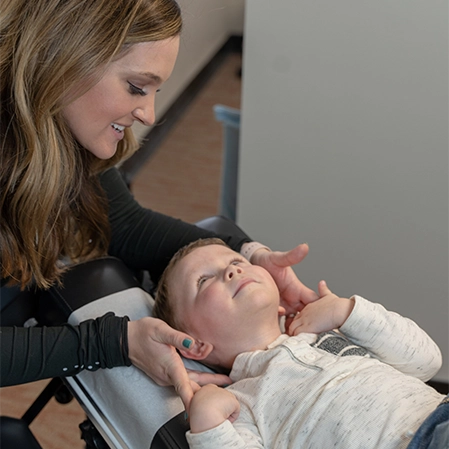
column 181, row 179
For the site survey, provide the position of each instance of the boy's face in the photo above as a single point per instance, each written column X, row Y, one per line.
column 222, row 298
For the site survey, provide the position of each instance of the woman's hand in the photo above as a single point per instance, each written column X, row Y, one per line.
column 327, row 313
column 210, row 407
column 294, row 294
column 152, row 348
column 203, row 378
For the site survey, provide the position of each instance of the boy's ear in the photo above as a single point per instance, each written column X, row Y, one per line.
column 199, row 351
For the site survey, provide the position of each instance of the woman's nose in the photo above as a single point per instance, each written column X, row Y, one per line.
column 145, row 113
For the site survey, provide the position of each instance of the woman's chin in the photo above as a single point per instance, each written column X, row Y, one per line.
column 103, row 153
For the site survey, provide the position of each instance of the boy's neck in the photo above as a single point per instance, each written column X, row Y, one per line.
column 226, row 356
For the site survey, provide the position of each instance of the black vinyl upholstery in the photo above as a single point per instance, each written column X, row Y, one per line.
column 83, row 284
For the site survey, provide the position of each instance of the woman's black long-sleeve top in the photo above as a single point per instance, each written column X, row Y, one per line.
column 143, row 239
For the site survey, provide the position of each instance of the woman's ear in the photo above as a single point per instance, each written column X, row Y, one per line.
column 199, row 351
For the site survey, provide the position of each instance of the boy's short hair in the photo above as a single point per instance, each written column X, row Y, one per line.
column 163, row 308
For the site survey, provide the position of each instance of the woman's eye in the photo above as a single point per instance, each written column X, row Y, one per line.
column 134, row 90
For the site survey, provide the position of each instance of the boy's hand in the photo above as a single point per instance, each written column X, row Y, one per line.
column 211, row 406
column 327, row 313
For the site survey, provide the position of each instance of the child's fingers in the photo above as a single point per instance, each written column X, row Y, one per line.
column 235, row 414
column 294, row 327
column 288, row 321
column 195, row 386
column 323, row 289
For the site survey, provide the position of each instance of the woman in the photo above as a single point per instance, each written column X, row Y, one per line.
column 75, row 75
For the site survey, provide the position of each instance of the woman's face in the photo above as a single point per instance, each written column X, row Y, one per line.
column 125, row 94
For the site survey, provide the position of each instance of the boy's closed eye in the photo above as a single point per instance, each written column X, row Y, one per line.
column 204, row 277
column 201, row 280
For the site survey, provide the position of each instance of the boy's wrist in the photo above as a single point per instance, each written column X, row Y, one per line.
column 346, row 306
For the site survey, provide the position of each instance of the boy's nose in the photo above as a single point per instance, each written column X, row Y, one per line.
column 233, row 270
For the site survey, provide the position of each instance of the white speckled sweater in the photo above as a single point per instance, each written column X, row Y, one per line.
column 315, row 392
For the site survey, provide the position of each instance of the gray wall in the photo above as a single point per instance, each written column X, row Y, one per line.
column 344, row 145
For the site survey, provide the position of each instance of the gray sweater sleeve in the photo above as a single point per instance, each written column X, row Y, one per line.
column 393, row 339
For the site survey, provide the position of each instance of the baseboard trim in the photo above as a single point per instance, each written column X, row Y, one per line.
column 158, row 133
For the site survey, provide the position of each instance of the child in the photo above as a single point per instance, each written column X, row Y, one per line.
column 360, row 387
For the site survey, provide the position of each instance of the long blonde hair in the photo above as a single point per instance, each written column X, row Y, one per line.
column 51, row 202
